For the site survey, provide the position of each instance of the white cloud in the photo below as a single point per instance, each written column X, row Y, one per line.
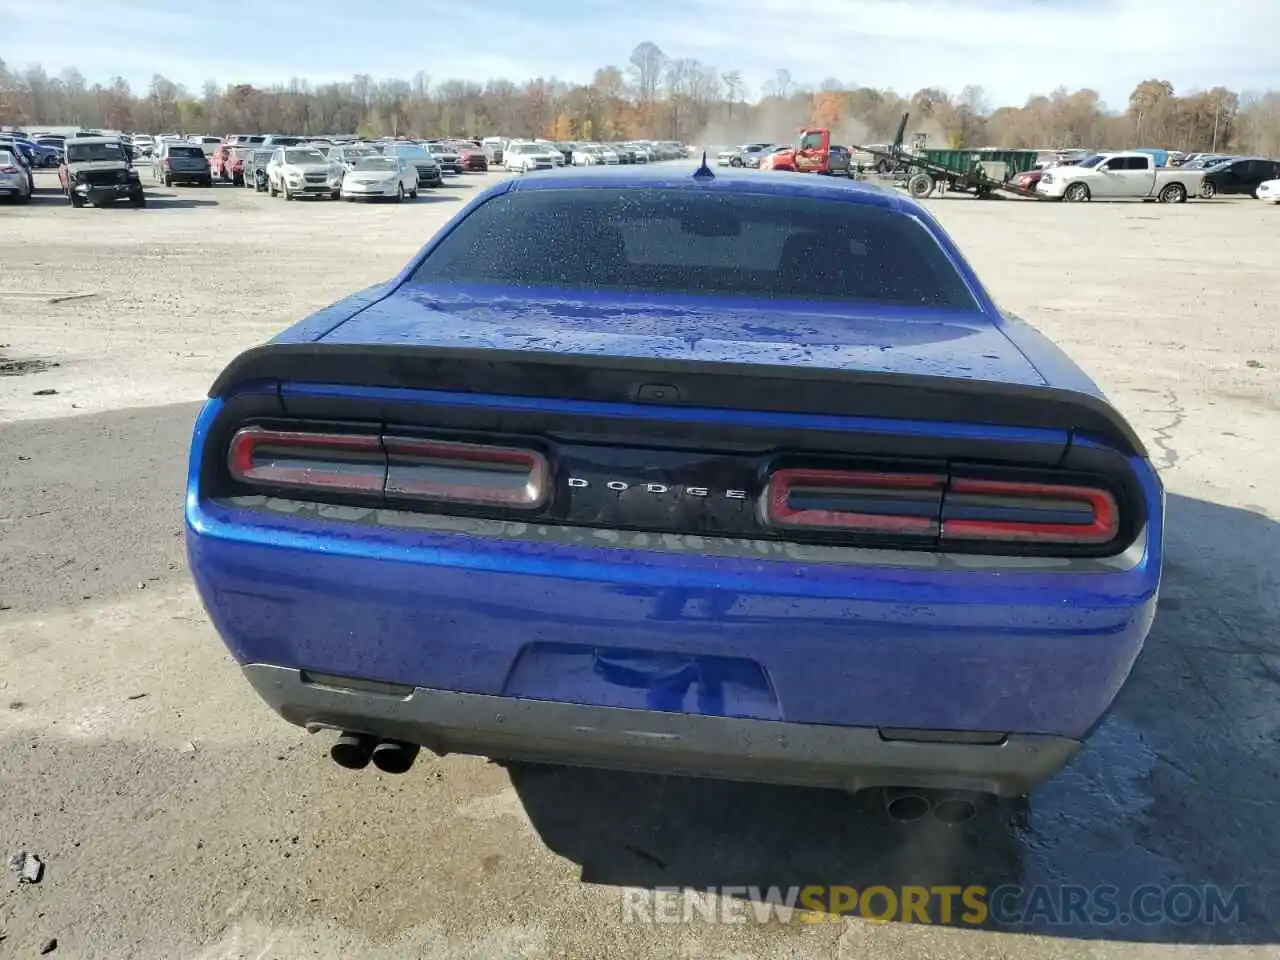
column 1010, row 48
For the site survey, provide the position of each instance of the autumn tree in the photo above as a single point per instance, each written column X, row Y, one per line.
column 1146, row 104
column 828, row 109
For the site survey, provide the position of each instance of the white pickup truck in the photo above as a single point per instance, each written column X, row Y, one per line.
column 1119, row 176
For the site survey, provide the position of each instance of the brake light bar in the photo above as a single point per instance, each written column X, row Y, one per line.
column 854, row 501
column 301, row 460
column 927, row 506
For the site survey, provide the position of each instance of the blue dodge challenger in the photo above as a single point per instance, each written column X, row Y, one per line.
column 727, row 475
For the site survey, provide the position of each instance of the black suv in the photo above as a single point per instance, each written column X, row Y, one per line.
column 96, row 170
column 1236, row 177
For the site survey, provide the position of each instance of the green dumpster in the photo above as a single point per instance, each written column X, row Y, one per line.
column 969, row 162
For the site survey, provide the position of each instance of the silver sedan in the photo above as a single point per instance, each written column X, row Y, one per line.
column 379, row 178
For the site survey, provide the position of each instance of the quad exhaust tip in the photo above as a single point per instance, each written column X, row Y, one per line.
column 912, row 806
column 354, row 751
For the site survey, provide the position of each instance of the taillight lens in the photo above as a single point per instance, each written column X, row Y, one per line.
column 301, row 460
column 401, row 468
column 466, row 473
column 854, row 501
column 946, row 509
column 998, row 510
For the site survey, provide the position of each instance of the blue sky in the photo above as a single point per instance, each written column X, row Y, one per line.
column 1010, row 47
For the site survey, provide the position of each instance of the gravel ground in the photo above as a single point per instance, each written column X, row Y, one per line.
column 178, row 818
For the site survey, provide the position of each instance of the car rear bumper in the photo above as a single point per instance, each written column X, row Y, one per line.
column 649, row 741
column 585, row 616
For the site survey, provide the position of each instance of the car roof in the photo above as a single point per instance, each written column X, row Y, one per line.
column 729, row 180
column 92, row 140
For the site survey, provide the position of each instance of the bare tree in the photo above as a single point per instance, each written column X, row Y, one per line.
column 971, row 109
column 782, row 83
column 732, row 81
column 647, row 61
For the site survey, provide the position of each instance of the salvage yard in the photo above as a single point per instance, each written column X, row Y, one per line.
column 177, row 817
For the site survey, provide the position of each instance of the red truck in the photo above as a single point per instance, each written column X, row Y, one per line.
column 811, row 152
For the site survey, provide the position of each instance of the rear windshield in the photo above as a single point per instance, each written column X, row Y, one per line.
column 185, row 152
column 698, row 243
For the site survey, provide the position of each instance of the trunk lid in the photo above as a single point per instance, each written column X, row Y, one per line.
column 887, row 341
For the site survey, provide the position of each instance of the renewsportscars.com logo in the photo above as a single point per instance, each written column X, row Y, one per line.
column 977, row 906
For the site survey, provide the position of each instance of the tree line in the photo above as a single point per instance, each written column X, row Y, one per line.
column 652, row 96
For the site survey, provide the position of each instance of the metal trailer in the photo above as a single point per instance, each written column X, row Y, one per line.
column 983, row 172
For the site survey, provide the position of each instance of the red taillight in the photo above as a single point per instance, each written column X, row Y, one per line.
column 401, row 468
column 854, row 501
column 950, row 510
column 9, row 170
column 466, row 473
column 999, row 510
column 298, row 460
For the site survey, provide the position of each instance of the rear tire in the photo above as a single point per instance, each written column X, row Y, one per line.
column 1208, row 191
column 400, row 194
column 75, row 198
column 1173, row 193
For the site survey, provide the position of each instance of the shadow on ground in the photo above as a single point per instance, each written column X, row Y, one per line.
column 1177, row 787
column 173, row 201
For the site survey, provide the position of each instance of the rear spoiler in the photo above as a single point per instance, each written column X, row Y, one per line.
column 692, row 383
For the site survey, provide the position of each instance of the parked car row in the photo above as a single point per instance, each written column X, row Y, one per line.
column 1137, row 174
column 104, row 168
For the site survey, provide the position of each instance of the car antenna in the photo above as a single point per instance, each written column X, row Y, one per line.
column 704, row 172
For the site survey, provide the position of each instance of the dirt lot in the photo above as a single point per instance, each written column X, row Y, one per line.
column 178, row 818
